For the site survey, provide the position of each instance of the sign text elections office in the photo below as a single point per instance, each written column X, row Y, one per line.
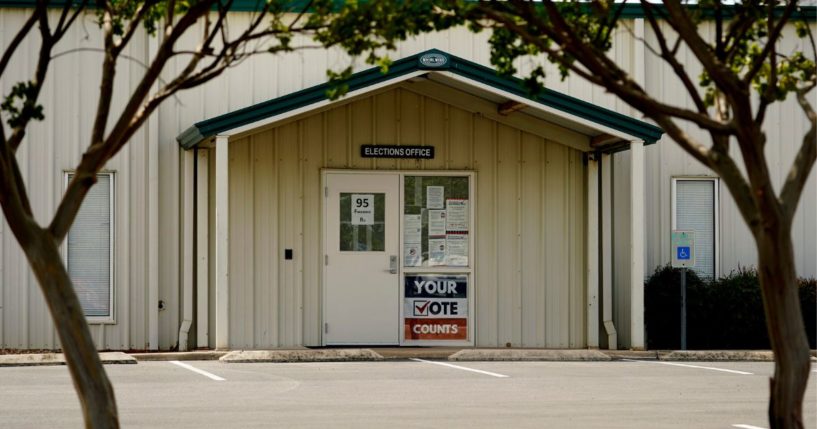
column 393, row 151
column 435, row 307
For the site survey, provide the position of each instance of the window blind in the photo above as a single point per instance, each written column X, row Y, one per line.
column 89, row 249
column 695, row 211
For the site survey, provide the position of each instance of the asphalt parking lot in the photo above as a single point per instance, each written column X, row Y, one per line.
column 408, row 394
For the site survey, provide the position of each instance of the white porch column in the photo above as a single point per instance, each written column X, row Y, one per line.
column 637, row 245
column 202, row 249
column 592, row 249
column 222, row 243
column 186, row 219
column 607, row 250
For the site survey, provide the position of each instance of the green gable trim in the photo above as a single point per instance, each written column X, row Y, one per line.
column 429, row 60
column 631, row 10
column 565, row 103
column 210, row 127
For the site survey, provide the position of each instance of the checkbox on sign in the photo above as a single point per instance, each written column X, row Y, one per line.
column 421, row 308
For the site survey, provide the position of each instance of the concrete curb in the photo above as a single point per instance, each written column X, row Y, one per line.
column 631, row 354
column 41, row 359
column 323, row 355
column 529, row 355
column 718, row 355
column 167, row 356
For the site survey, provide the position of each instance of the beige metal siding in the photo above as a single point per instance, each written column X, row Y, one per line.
column 529, row 216
column 57, row 143
column 53, row 146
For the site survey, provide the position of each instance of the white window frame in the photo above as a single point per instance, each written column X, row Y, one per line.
column 111, row 318
column 716, row 210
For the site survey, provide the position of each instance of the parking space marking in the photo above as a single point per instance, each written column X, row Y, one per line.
column 732, row 371
column 742, row 426
column 196, row 370
column 478, row 371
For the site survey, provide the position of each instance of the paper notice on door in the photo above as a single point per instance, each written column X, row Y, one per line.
column 457, row 249
column 412, row 229
column 436, row 223
column 435, row 197
column 412, row 253
column 456, row 216
column 362, row 209
column 436, row 251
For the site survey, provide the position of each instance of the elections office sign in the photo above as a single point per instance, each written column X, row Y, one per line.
column 435, row 308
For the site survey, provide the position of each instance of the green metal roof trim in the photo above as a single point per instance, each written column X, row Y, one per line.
column 444, row 61
column 631, row 10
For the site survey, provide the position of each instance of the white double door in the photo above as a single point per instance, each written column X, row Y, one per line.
column 361, row 272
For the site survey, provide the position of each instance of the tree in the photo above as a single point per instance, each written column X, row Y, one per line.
column 271, row 30
column 744, row 72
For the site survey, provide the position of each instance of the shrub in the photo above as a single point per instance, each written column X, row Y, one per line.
column 726, row 313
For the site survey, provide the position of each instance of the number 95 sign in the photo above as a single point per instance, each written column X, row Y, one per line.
column 362, row 209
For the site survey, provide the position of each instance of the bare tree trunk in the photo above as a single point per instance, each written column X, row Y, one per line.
column 92, row 384
column 784, row 322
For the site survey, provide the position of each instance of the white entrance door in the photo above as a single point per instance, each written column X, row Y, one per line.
column 361, row 282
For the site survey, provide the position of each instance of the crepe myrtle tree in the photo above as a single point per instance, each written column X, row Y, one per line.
column 744, row 72
column 174, row 67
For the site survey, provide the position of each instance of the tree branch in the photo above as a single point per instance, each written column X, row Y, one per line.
column 106, row 84
column 133, row 25
column 101, row 150
column 670, row 58
column 718, row 71
column 18, row 38
column 771, row 40
column 64, row 24
column 43, row 60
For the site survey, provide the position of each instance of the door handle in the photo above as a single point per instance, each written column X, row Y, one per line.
column 393, row 264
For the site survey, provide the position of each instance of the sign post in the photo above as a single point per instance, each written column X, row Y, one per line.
column 683, row 257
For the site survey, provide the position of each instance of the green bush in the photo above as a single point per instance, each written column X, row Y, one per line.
column 726, row 313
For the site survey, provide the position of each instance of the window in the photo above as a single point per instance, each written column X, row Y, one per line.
column 695, row 203
column 89, row 250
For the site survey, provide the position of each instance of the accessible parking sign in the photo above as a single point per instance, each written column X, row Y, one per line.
column 683, row 249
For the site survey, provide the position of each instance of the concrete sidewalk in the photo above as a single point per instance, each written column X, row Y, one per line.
column 331, row 354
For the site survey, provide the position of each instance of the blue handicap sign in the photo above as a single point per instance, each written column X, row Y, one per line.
column 684, row 253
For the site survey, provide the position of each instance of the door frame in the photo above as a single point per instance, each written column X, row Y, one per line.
column 469, row 270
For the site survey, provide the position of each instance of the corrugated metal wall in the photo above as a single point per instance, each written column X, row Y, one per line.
column 530, row 219
column 70, row 96
column 53, row 146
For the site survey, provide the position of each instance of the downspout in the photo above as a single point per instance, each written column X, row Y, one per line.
column 186, row 219
column 607, row 250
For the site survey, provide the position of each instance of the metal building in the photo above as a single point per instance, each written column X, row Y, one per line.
column 437, row 204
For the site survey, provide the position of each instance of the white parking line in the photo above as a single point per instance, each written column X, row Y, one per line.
column 732, row 371
column 492, row 374
column 196, row 370
column 742, row 426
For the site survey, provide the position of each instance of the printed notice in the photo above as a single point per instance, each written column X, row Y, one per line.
column 362, row 209
column 435, row 197
column 456, row 216
column 412, row 254
column 436, row 251
column 412, row 229
column 457, row 248
column 436, row 223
